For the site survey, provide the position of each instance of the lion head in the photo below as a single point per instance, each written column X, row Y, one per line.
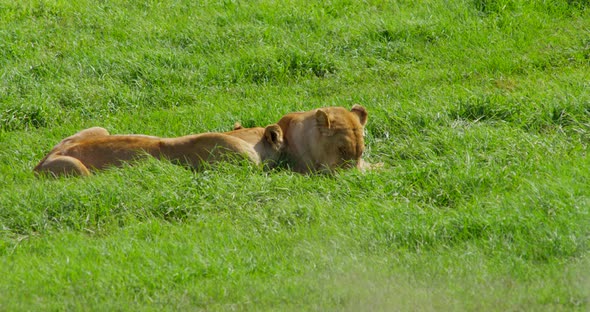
column 325, row 139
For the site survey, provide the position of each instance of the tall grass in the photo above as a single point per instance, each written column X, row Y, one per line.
column 479, row 110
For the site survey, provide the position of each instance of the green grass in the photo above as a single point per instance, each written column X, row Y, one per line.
column 479, row 111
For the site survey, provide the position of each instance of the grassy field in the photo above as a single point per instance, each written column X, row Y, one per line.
column 479, row 110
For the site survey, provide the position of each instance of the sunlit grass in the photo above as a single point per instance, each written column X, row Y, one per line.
column 479, row 111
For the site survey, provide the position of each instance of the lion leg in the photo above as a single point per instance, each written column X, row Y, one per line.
column 53, row 163
column 63, row 165
column 86, row 133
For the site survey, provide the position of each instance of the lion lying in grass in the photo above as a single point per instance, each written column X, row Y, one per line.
column 96, row 149
column 325, row 139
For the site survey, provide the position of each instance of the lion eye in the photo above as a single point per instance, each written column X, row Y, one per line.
column 342, row 151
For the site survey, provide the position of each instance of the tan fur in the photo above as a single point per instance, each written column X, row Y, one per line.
column 95, row 149
column 325, row 139
column 238, row 126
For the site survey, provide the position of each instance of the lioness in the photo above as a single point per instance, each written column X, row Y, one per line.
column 324, row 139
column 95, row 149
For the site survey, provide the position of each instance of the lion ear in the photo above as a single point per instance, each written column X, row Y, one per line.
column 361, row 112
column 323, row 121
column 238, row 126
column 274, row 135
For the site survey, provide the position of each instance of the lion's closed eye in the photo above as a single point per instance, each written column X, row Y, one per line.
column 343, row 152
